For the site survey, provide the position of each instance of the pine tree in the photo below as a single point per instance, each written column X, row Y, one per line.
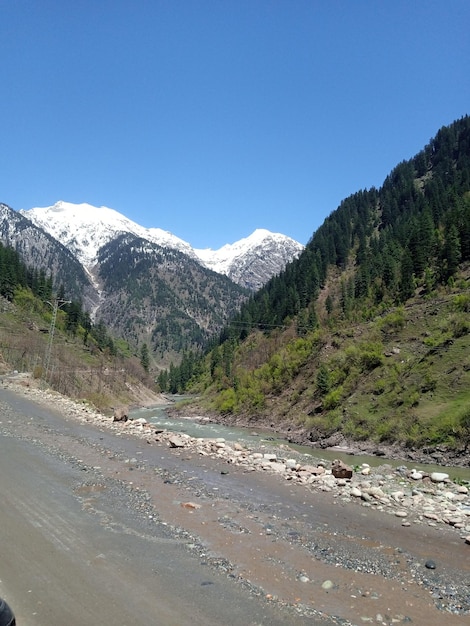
column 407, row 285
column 145, row 357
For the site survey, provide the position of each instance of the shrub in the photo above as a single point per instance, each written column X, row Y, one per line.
column 371, row 356
column 226, row 401
column 429, row 383
column 393, row 321
column 379, row 387
column 333, row 398
column 459, row 325
column 38, row 371
column 461, row 303
column 464, row 423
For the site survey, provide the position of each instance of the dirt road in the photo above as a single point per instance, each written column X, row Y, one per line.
column 97, row 528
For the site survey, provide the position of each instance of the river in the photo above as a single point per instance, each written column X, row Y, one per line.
column 250, row 436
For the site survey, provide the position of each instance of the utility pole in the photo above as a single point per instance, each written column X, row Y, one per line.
column 55, row 307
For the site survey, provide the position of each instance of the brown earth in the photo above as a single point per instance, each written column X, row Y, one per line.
column 298, row 557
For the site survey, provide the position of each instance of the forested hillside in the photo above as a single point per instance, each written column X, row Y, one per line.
column 161, row 298
column 367, row 333
column 54, row 341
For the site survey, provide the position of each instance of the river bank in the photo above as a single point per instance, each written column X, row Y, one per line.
column 439, row 455
column 382, row 544
column 406, row 492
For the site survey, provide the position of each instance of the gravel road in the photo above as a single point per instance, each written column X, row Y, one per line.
column 101, row 528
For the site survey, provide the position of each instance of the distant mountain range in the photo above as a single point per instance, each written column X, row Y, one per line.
column 145, row 284
column 84, row 229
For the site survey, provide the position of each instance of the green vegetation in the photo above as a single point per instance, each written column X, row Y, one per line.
column 367, row 332
column 85, row 361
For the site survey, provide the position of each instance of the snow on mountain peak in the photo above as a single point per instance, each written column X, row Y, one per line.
column 84, row 228
column 224, row 259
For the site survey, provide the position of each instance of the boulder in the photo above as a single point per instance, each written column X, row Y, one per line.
column 341, row 470
column 439, row 477
column 316, row 470
column 121, row 414
column 176, row 442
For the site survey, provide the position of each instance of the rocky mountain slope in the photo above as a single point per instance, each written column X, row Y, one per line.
column 252, row 261
column 84, row 229
column 145, row 284
column 163, row 297
column 41, row 250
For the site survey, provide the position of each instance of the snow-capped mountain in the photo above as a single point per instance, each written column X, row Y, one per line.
column 41, row 250
column 252, row 261
column 85, row 229
column 144, row 284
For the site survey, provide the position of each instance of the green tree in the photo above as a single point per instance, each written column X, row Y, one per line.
column 407, row 285
column 323, row 380
column 451, row 251
column 145, row 357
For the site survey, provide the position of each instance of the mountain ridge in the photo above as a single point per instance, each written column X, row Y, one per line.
column 84, row 229
column 166, row 296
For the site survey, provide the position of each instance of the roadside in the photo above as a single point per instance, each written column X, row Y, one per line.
column 305, row 549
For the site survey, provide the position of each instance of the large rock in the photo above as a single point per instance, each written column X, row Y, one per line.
column 439, row 477
column 176, row 442
column 341, row 470
column 121, row 414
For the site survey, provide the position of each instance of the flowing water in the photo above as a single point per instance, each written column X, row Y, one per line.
column 159, row 417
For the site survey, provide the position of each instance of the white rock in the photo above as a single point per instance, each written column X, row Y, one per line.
column 140, row 420
column 276, row 467
column 439, row 477
column 397, row 495
column 432, row 516
column 270, row 457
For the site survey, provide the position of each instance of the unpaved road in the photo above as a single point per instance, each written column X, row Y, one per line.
column 101, row 529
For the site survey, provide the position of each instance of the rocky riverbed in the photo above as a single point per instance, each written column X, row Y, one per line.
column 413, row 496
column 388, row 546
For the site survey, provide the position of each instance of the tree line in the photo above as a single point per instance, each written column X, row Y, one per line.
column 408, row 237
column 34, row 289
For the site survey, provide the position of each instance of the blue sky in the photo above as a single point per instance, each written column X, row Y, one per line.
column 210, row 118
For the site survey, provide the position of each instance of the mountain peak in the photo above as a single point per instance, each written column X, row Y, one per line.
column 84, row 229
column 252, row 261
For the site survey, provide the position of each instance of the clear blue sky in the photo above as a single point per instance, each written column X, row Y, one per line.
column 210, row 118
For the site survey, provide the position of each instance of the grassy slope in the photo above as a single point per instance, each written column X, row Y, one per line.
column 401, row 377
column 78, row 371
